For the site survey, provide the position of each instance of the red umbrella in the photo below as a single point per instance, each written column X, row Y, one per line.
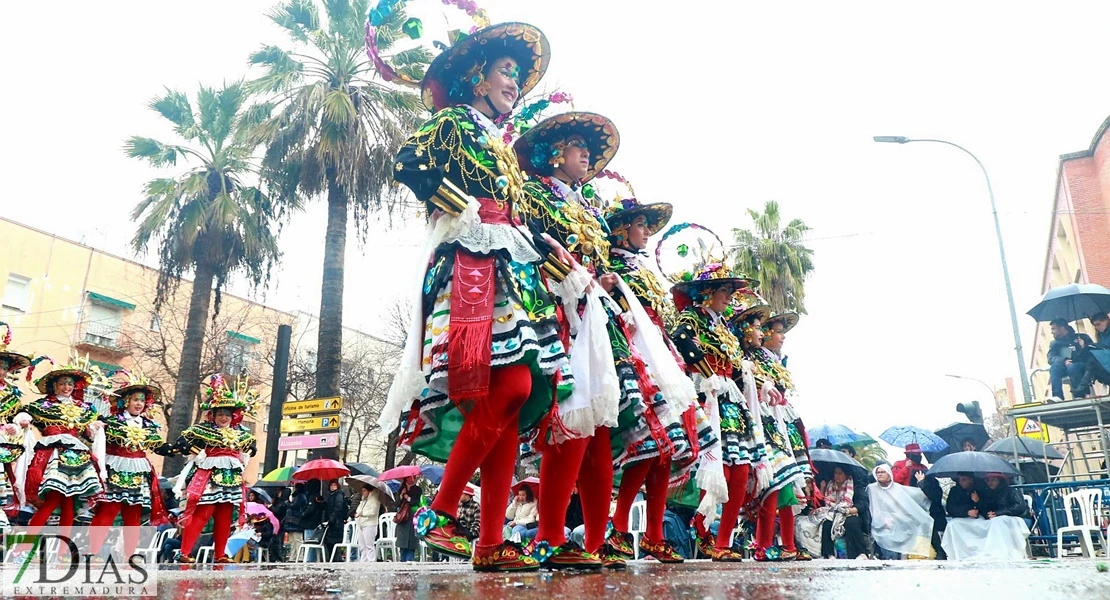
column 532, row 482
column 400, row 472
column 321, row 468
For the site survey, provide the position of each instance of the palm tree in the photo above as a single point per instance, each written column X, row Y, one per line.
column 206, row 220
column 336, row 132
column 871, row 455
column 776, row 258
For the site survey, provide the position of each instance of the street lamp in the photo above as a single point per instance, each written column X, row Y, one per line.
column 985, row 384
column 898, row 139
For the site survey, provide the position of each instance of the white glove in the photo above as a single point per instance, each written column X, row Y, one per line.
column 23, row 420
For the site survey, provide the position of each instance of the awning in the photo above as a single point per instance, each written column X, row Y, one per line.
column 110, row 301
column 235, row 335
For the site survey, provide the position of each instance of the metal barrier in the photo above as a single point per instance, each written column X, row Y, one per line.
column 1050, row 513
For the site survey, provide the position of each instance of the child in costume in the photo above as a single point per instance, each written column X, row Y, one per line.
column 132, row 483
column 11, row 442
column 212, row 481
column 63, row 466
column 484, row 359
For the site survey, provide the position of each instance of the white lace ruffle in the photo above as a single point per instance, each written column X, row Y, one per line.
column 595, row 401
column 219, row 462
column 127, row 464
column 483, row 238
column 64, row 438
column 711, row 467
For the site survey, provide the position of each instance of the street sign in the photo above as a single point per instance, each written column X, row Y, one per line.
column 328, row 423
column 1031, row 429
column 308, row 407
column 308, row 441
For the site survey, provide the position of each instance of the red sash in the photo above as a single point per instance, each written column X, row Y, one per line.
column 199, row 481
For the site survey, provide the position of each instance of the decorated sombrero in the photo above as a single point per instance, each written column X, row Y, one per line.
column 541, row 145
column 78, row 369
column 693, row 258
column 788, row 320
column 239, row 398
column 453, row 74
column 136, row 382
column 14, row 360
column 746, row 305
column 623, row 211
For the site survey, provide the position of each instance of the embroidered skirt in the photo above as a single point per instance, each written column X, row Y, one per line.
column 70, row 471
column 129, row 481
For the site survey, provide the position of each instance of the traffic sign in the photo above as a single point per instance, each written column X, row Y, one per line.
column 307, row 407
column 1031, row 429
column 328, row 423
column 308, row 441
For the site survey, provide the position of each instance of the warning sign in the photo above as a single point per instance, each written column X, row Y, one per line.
column 1031, row 429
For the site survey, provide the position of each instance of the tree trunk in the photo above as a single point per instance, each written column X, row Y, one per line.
column 329, row 347
column 188, row 375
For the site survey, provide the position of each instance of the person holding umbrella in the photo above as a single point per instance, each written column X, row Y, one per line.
column 212, row 480
column 904, row 469
column 335, row 515
column 1065, row 359
column 366, row 515
column 998, row 530
column 410, row 499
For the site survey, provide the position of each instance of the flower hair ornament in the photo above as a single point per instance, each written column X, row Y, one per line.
column 388, row 13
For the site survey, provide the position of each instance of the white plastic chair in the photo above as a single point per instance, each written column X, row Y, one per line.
column 387, row 537
column 1090, row 501
column 302, row 552
column 205, row 554
column 637, row 524
column 349, row 542
column 151, row 551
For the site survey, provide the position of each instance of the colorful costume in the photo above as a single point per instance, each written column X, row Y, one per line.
column 643, row 299
column 11, row 442
column 65, row 464
column 484, row 359
column 713, row 355
column 132, row 483
column 212, row 481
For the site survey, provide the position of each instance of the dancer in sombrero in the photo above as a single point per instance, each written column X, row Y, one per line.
column 132, row 483
column 617, row 412
column 212, row 481
column 63, row 470
column 484, row 360
column 645, row 301
column 783, row 439
column 11, row 441
column 702, row 291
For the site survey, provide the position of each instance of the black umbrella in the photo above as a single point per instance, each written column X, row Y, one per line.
column 1072, row 302
column 955, row 434
column 1029, row 447
column 362, row 469
column 826, row 460
column 976, row 463
column 262, row 495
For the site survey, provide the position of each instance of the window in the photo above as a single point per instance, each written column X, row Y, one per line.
column 155, row 322
column 102, row 325
column 237, row 357
column 17, row 292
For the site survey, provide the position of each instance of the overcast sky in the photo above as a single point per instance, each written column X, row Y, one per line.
column 720, row 106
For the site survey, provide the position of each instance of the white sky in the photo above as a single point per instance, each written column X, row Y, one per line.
column 721, row 106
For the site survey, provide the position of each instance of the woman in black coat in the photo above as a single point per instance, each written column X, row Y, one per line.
column 1001, row 500
column 335, row 516
column 931, row 487
column 964, row 497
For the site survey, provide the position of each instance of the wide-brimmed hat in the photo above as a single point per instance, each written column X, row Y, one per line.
column 697, row 262
column 449, row 74
column 239, row 398
column 788, row 320
column 16, row 360
column 625, row 210
column 747, row 304
column 538, row 146
column 78, row 369
column 136, row 383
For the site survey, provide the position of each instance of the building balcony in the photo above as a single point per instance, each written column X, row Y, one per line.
column 102, row 338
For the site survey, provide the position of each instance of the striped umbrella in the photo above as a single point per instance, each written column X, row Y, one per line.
column 280, row 474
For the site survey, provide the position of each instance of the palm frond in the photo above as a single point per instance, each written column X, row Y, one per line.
column 175, row 107
column 297, row 17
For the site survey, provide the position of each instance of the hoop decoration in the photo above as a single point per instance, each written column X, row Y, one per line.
column 707, row 254
column 520, row 125
column 414, row 29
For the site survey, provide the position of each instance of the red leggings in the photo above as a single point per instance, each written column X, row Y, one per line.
column 737, row 478
column 51, row 501
column 656, row 472
column 104, row 517
column 765, row 527
column 495, row 454
column 786, row 528
column 589, row 462
column 221, row 529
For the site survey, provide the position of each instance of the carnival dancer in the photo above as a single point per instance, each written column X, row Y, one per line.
column 622, row 422
column 484, row 359
column 778, row 460
column 11, row 442
column 631, row 225
column 702, row 293
column 132, row 483
column 63, row 468
column 774, row 336
column 212, row 481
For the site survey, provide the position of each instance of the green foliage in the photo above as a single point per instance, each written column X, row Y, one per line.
column 871, row 455
column 776, row 257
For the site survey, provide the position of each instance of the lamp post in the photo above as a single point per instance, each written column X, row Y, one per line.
column 1026, row 393
column 983, row 383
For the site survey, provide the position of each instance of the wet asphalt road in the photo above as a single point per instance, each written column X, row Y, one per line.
column 1074, row 579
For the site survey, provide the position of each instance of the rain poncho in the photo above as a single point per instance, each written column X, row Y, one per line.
column 900, row 520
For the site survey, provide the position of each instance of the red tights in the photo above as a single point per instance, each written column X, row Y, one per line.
column 50, row 502
column 737, row 478
column 765, row 527
column 786, row 528
column 104, row 517
column 656, row 472
column 221, row 528
column 494, row 453
column 589, row 462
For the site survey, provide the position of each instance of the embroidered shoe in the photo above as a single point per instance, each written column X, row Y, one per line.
column 772, row 554
column 788, row 555
column 440, row 532
column 620, row 544
column 663, row 552
column 508, row 557
column 571, row 556
column 706, row 545
column 613, row 562
column 803, row 556
column 223, row 560
column 185, row 559
column 726, row 555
